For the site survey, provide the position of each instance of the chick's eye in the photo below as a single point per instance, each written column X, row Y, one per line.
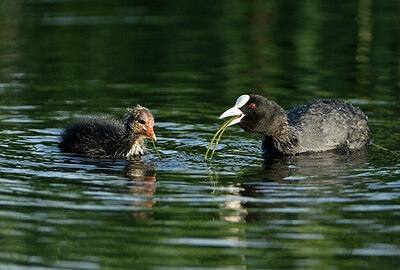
column 252, row 105
column 141, row 122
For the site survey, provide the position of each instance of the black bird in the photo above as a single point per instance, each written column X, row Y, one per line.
column 320, row 125
column 104, row 137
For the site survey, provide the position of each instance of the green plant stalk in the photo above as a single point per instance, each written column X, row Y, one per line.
column 155, row 148
column 385, row 149
column 212, row 140
column 216, row 143
column 219, row 132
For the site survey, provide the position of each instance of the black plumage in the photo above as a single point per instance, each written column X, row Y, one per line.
column 104, row 137
column 320, row 125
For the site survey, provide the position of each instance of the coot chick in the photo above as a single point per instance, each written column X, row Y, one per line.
column 320, row 125
column 103, row 137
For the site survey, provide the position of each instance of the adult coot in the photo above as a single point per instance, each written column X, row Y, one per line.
column 103, row 137
column 320, row 125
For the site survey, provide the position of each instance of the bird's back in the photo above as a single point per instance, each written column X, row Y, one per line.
column 97, row 137
column 327, row 124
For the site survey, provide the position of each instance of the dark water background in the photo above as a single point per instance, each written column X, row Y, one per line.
column 188, row 62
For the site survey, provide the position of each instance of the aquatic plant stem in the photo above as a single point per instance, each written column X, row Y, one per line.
column 155, row 148
column 212, row 140
column 385, row 149
column 219, row 133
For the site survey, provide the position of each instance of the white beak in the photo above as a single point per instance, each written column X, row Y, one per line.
column 235, row 110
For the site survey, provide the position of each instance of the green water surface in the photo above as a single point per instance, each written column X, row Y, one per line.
column 188, row 62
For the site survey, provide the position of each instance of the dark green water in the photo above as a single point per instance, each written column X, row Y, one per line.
column 188, row 62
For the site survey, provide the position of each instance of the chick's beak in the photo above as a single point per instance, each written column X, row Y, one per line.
column 149, row 132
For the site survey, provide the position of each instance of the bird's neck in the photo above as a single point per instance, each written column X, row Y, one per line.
column 137, row 149
column 281, row 139
column 134, row 145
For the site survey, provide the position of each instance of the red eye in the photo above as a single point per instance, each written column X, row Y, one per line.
column 252, row 105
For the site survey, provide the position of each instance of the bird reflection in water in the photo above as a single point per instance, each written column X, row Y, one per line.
column 133, row 180
column 324, row 166
column 283, row 180
column 142, row 182
column 280, row 176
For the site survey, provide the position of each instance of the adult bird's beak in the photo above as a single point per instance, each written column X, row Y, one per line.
column 235, row 110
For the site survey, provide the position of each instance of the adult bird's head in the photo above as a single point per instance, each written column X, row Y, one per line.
column 139, row 120
column 257, row 114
